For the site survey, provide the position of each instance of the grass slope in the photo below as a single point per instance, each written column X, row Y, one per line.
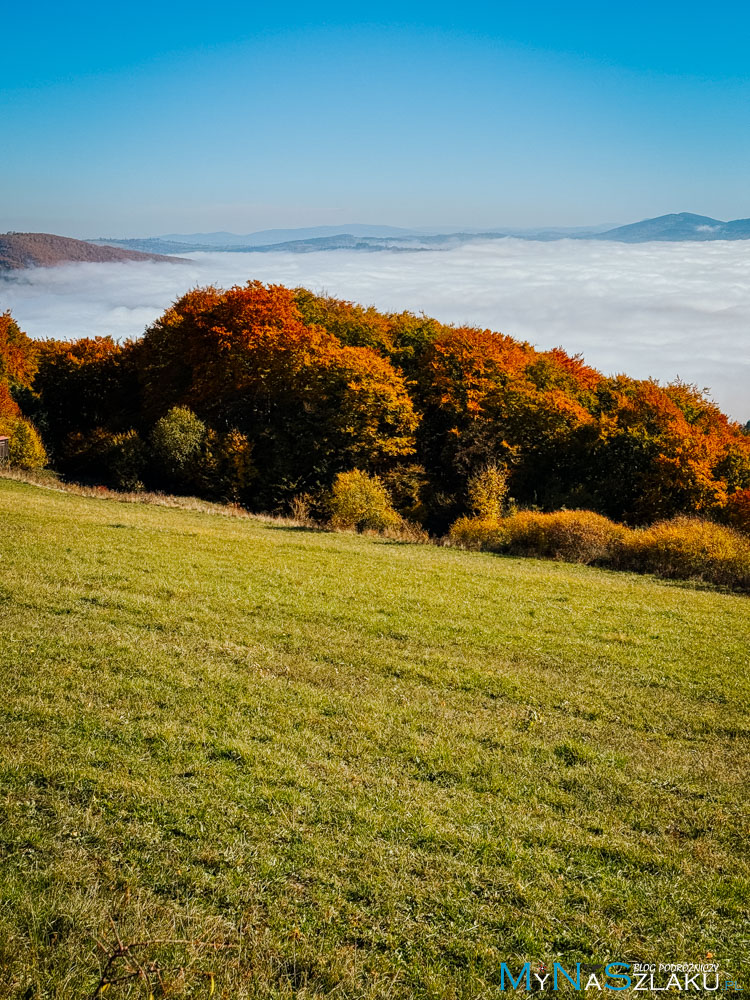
column 289, row 763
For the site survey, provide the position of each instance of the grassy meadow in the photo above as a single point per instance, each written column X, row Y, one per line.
column 243, row 759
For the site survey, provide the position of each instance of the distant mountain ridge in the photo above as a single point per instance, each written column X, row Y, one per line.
column 681, row 226
column 266, row 237
column 22, row 250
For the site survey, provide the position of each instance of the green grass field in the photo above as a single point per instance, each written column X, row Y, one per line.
column 289, row 763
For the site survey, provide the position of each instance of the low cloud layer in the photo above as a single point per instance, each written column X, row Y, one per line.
column 662, row 310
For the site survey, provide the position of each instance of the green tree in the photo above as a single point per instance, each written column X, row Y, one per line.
column 178, row 440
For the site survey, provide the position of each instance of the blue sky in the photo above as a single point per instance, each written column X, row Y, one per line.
column 145, row 118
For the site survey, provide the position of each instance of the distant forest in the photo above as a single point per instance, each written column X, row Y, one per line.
column 262, row 394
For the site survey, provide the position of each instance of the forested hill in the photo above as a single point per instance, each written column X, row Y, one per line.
column 20, row 250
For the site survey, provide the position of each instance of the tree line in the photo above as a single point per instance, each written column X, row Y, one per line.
column 260, row 394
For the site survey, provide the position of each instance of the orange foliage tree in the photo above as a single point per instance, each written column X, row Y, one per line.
column 81, row 385
column 243, row 358
column 18, row 363
column 18, row 353
column 663, row 450
column 489, row 398
column 569, row 437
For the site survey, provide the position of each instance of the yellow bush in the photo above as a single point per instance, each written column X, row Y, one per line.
column 477, row 533
column 487, row 489
column 362, row 502
column 571, row 535
column 683, row 548
column 688, row 548
column 26, row 448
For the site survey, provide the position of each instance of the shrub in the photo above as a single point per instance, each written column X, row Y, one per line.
column 362, row 502
column 570, row 535
column 26, row 448
column 477, row 533
column 177, row 441
column 300, row 508
column 682, row 548
column 487, row 489
column 688, row 548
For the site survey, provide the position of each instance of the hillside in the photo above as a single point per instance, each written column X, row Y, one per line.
column 279, row 762
column 20, row 250
column 680, row 226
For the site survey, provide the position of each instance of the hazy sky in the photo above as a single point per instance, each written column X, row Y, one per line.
column 144, row 118
column 655, row 309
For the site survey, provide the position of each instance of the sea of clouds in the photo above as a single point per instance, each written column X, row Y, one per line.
column 665, row 310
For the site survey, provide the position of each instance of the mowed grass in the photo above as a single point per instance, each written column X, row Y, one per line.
column 288, row 763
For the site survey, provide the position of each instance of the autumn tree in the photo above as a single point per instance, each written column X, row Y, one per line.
column 18, row 354
column 18, row 363
column 489, row 399
column 81, row 385
column 659, row 451
column 401, row 337
column 311, row 406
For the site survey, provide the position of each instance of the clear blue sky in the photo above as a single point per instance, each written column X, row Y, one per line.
column 143, row 118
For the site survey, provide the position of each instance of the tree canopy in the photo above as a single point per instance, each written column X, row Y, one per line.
column 260, row 392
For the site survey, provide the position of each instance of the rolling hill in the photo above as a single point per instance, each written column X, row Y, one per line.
column 680, row 226
column 21, row 250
